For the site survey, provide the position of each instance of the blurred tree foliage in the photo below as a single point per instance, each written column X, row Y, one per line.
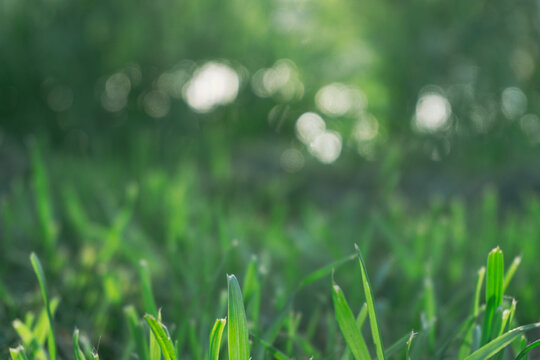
column 57, row 57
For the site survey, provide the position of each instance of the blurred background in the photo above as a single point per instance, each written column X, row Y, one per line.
column 285, row 129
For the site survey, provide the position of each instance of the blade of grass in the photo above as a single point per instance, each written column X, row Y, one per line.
column 146, row 284
column 494, row 292
column 529, row 347
column 77, row 352
column 136, row 332
column 18, row 353
column 398, row 345
column 215, row 339
column 373, row 322
column 41, row 327
column 49, row 228
column 511, row 272
column 348, row 326
column 276, row 353
column 30, row 341
column 466, row 344
column 497, row 344
column 162, row 337
column 38, row 269
column 237, row 332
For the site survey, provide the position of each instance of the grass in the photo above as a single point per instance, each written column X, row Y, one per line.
column 139, row 267
column 497, row 331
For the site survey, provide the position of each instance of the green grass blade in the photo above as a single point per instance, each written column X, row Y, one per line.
column 41, row 327
column 494, row 292
column 466, row 344
column 136, row 332
column 162, row 337
column 324, row 271
column 215, row 339
column 348, row 326
column 30, row 341
column 409, row 344
column 398, row 345
column 18, row 353
column 146, row 285
column 49, row 228
column 497, row 344
column 38, row 269
column 510, row 273
column 77, row 352
column 430, row 309
column 252, row 293
column 371, row 308
column 276, row 353
column 238, row 337
column 529, row 347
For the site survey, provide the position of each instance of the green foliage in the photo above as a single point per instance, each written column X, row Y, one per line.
column 237, row 330
column 347, row 324
column 215, row 339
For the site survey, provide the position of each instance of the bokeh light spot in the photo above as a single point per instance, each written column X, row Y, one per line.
column 513, row 102
column 326, row 147
column 308, row 126
column 213, row 84
column 432, row 113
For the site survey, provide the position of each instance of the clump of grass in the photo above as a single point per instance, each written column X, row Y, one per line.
column 489, row 331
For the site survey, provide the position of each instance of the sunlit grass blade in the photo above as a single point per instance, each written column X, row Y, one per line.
column 31, row 343
column 409, row 344
column 529, row 347
column 348, row 326
column 162, row 337
column 373, row 322
column 215, row 339
column 238, row 337
column 494, row 292
column 511, row 272
column 41, row 327
column 77, row 352
column 136, row 332
column 18, row 353
column 499, row 343
column 38, row 269
column 146, row 285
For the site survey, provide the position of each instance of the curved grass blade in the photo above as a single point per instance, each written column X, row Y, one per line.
column 371, row 307
column 162, row 337
column 238, row 337
column 38, row 269
column 496, row 345
column 529, row 347
column 348, row 326
column 215, row 339
column 510, row 273
column 77, row 352
column 136, row 332
column 18, row 353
